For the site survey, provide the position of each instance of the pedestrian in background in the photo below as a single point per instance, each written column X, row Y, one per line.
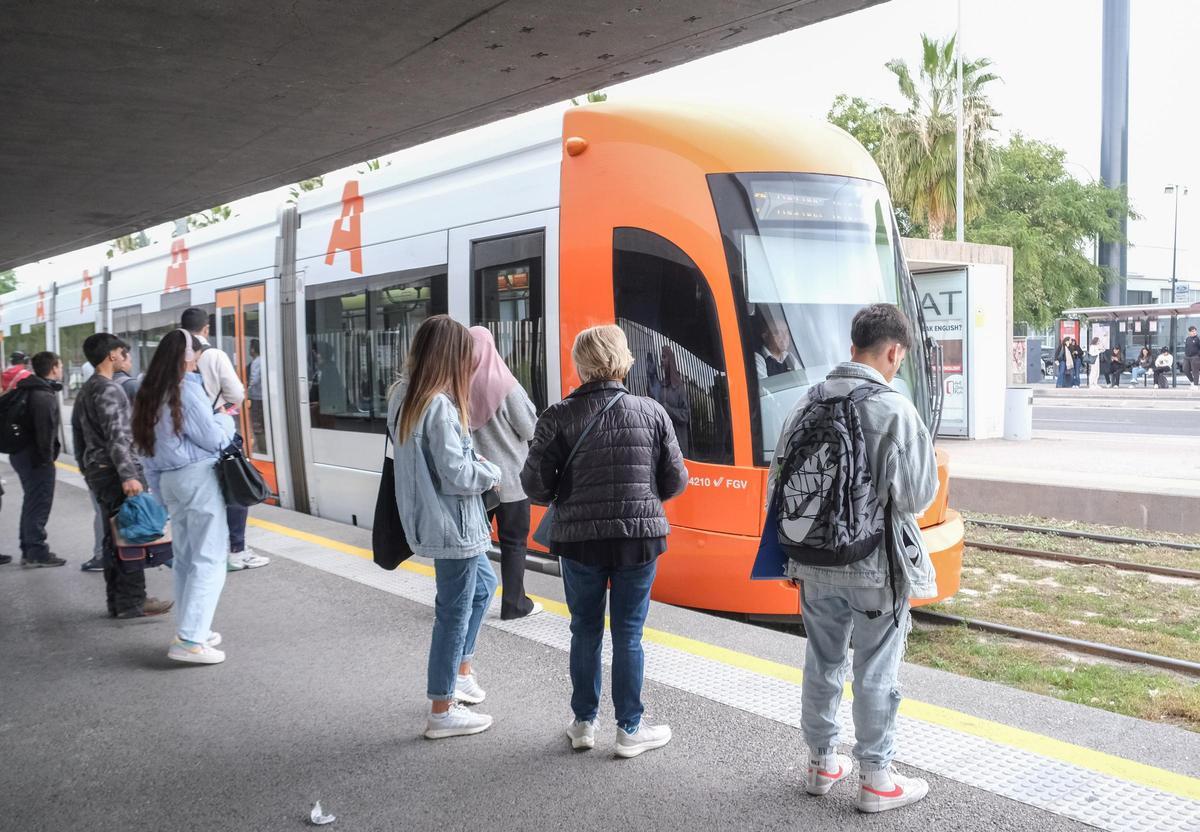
column 1093, row 362
column 225, row 393
column 103, row 442
column 15, row 372
column 502, row 423
column 1143, row 365
column 1191, row 356
column 608, row 460
column 34, row 464
column 1068, row 357
column 1162, row 367
column 440, row 482
column 1116, row 366
column 180, row 439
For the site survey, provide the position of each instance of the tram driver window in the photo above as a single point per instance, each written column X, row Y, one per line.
column 358, row 333
column 666, row 309
column 508, row 298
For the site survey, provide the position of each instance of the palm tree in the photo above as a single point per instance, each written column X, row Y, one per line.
column 917, row 152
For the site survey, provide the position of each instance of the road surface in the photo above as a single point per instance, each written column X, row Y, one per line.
column 1117, row 420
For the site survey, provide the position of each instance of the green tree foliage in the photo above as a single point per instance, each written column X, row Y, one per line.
column 218, row 213
column 917, row 148
column 1048, row 217
column 592, row 98
column 303, row 187
column 126, row 244
column 373, row 165
column 860, row 118
column 8, row 281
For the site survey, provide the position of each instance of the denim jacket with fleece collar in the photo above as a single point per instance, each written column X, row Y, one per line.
column 440, row 483
column 904, row 471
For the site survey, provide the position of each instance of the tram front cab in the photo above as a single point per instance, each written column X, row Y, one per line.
column 734, row 249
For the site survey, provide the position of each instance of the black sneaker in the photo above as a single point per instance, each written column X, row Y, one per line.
column 92, row 565
column 50, row 560
column 5, row 559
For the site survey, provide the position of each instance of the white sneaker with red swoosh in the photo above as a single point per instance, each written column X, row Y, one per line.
column 826, row 770
column 879, row 791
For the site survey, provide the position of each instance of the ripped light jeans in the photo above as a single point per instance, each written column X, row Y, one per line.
column 836, row 618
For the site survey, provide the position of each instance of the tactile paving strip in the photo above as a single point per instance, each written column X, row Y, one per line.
column 1063, row 789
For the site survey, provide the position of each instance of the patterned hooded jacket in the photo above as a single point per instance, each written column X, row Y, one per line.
column 101, row 432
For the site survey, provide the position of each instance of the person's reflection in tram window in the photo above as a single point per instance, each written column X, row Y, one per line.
column 776, row 355
column 254, row 392
column 329, row 380
column 669, row 390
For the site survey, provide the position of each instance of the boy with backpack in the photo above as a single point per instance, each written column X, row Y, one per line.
column 853, row 467
column 31, row 419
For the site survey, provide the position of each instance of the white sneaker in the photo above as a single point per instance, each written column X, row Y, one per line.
column 879, row 791
column 466, row 689
column 190, row 651
column 246, row 559
column 537, row 607
column 456, row 722
column 824, row 771
column 213, row 640
column 582, row 734
column 645, row 738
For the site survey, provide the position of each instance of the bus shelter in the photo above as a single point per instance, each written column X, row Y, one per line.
column 1131, row 327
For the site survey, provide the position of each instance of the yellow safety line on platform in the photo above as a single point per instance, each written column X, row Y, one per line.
column 1111, row 765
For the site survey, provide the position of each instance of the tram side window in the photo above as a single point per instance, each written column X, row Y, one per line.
column 667, row 311
column 507, row 296
column 27, row 338
column 358, row 333
column 76, row 368
column 143, row 331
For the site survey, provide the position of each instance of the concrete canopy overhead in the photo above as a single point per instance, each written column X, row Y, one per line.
column 121, row 114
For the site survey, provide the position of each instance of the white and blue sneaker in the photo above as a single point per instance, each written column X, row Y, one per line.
column 582, row 734
column 467, row 690
column 456, row 722
column 644, row 738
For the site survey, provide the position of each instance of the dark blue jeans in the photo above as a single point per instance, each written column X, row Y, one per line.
column 586, row 587
column 37, row 483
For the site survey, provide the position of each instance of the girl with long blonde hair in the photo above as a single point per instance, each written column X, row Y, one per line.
column 440, row 482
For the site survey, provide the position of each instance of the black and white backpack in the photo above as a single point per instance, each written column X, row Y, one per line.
column 828, row 511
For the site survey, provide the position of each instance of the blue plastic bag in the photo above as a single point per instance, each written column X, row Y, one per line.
column 770, row 564
column 142, row 519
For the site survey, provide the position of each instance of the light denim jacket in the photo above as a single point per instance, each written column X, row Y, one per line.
column 904, row 470
column 440, row 482
column 205, row 434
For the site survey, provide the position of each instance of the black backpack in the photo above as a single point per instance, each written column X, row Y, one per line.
column 828, row 511
column 16, row 434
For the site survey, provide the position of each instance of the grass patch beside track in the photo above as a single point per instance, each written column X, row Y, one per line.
column 1145, row 694
column 1125, row 609
column 1154, row 555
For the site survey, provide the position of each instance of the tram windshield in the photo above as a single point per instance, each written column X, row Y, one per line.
column 806, row 252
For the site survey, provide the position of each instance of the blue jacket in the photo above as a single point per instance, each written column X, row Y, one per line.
column 205, row 434
column 440, row 482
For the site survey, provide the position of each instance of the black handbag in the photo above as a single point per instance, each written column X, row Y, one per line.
column 389, row 544
column 241, row 483
column 541, row 535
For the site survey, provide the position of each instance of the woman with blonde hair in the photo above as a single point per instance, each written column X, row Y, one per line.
column 608, row 460
column 439, row 486
column 502, row 422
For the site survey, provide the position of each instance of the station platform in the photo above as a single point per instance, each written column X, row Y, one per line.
column 321, row 698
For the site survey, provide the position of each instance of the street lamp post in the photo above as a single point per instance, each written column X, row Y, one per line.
column 1174, row 189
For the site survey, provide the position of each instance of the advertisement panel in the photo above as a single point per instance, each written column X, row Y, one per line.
column 944, row 304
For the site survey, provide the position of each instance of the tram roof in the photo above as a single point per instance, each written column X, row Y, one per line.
column 1136, row 311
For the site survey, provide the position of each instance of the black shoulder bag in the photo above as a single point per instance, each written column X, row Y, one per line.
column 241, row 483
column 541, row 534
column 389, row 544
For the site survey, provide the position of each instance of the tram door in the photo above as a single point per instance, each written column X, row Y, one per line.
column 240, row 332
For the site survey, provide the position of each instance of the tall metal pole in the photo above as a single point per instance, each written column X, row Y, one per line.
column 1174, row 253
column 1114, row 135
column 959, row 187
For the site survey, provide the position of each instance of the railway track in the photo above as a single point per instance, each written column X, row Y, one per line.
column 1073, row 533
column 1123, row 565
column 1072, row 644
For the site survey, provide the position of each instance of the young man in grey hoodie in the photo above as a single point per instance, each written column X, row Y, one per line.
column 853, row 605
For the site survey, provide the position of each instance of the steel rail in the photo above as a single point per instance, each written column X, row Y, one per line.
column 1123, row 565
column 1103, row 538
column 1073, row 644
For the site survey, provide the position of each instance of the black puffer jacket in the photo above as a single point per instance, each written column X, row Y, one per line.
column 629, row 464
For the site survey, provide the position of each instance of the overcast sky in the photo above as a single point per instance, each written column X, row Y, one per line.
column 1046, row 51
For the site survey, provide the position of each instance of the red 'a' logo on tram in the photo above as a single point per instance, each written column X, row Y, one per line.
column 347, row 229
column 85, row 296
column 41, row 304
column 177, row 272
